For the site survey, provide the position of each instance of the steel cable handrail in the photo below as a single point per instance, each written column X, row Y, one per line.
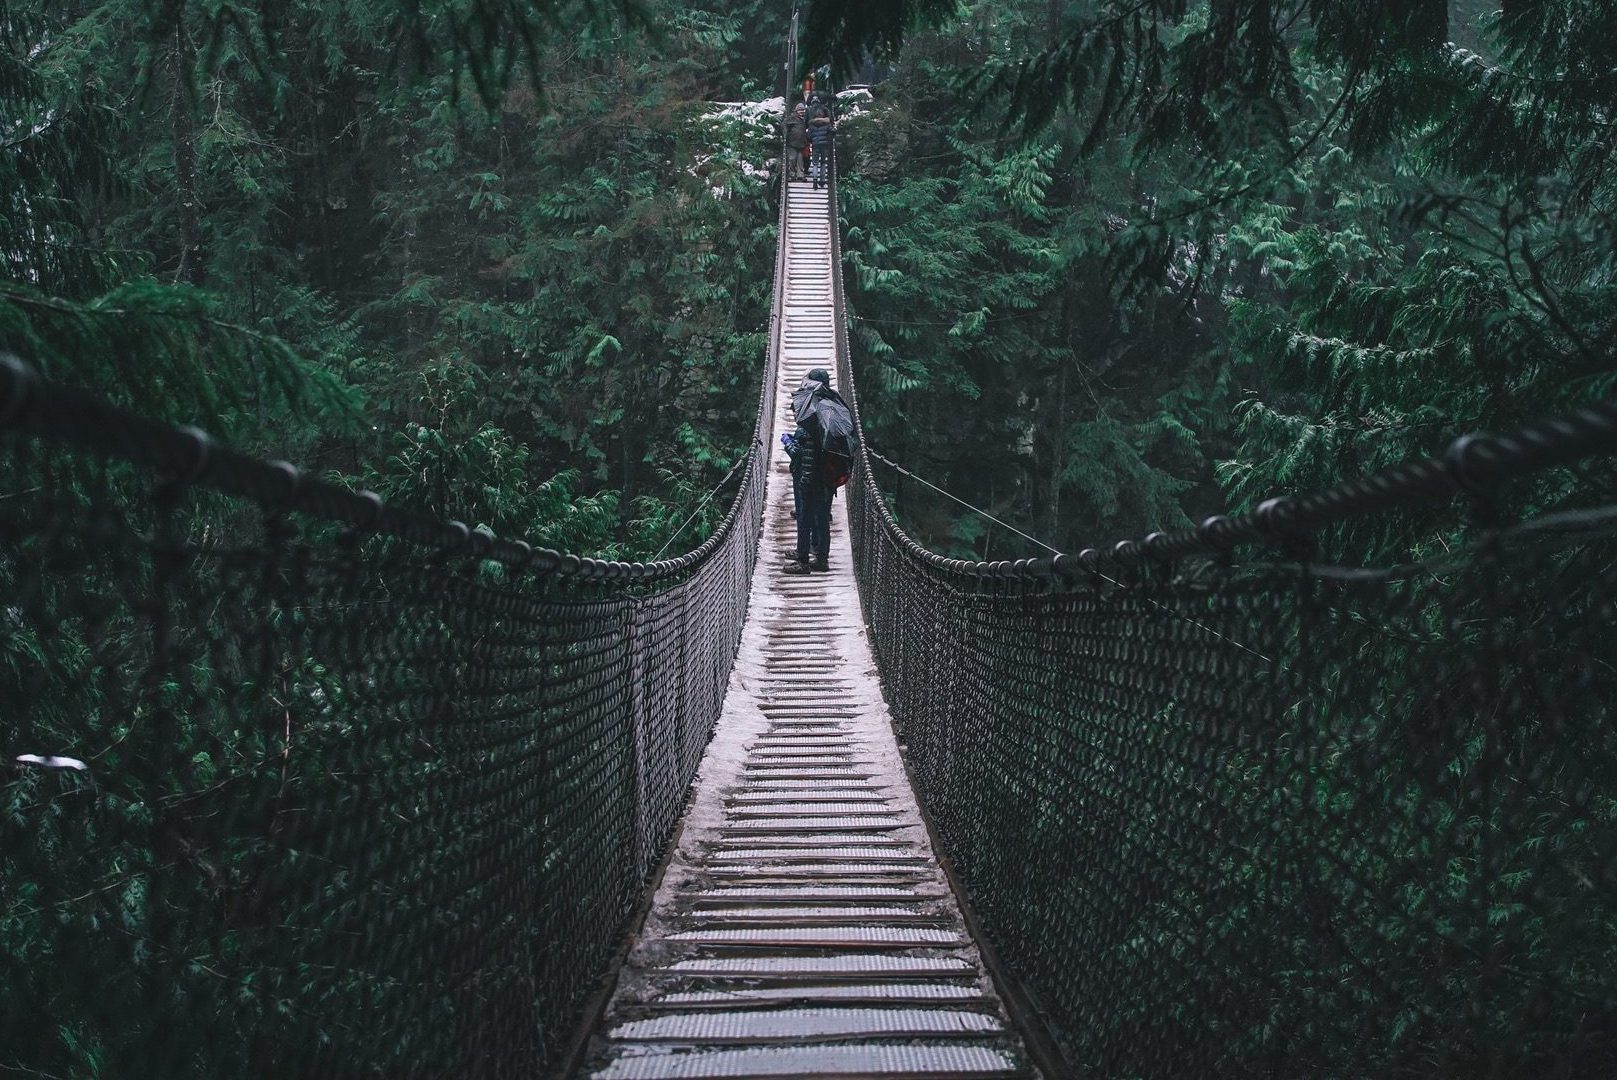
column 1232, row 816
column 1473, row 466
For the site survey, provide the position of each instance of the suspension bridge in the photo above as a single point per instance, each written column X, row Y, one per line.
column 301, row 784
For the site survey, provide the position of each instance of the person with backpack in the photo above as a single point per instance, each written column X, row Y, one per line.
column 819, row 137
column 821, row 449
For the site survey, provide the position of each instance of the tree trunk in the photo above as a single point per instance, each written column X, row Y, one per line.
column 1431, row 23
column 190, row 268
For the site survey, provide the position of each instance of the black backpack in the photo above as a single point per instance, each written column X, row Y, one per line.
column 838, row 443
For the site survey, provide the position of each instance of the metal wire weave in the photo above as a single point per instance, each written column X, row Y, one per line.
column 297, row 784
column 1259, row 817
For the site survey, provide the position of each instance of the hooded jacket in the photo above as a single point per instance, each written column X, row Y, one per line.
column 807, row 440
column 816, row 386
column 819, row 130
column 796, row 129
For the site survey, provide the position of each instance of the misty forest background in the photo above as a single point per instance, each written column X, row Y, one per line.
column 1112, row 267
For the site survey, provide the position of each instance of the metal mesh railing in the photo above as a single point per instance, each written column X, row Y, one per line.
column 293, row 783
column 362, row 794
column 1227, row 817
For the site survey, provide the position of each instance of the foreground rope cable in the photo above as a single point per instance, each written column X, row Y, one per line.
column 1226, row 812
column 979, row 511
column 744, row 459
column 375, row 800
column 298, row 784
column 1103, row 576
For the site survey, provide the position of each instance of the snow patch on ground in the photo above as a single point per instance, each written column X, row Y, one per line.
column 768, row 109
column 746, row 139
column 852, row 104
column 744, row 142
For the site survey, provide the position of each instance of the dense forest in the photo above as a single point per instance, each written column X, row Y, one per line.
column 1117, row 266
column 343, row 234
column 1113, row 266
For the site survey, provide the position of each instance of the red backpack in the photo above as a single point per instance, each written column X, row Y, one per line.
column 835, row 468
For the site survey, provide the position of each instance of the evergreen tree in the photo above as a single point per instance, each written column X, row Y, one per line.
column 293, row 224
column 1296, row 242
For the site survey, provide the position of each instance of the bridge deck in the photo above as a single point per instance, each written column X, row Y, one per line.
column 803, row 927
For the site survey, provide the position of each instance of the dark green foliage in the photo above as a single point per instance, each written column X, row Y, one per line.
column 172, row 357
column 985, row 289
column 1112, row 266
column 842, row 33
column 287, row 224
column 1302, row 241
column 537, row 308
column 1271, row 245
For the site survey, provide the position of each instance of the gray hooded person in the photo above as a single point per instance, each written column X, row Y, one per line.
column 796, row 140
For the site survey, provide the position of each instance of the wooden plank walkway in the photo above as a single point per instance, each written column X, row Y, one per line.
column 803, row 927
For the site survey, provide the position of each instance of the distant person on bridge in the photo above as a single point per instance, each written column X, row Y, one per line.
column 821, row 450
column 819, row 135
column 796, row 141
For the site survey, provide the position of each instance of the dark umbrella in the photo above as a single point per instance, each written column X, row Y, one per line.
column 837, row 435
column 811, row 390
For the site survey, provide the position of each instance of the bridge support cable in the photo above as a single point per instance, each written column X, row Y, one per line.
column 295, row 783
column 872, row 455
column 1229, row 804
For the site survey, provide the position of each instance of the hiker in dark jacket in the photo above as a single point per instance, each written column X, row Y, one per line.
column 819, row 136
column 796, row 141
column 810, row 490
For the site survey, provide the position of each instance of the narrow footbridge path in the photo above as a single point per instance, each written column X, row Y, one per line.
column 803, row 926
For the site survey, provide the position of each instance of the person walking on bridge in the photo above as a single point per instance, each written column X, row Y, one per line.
column 819, row 137
column 796, row 141
column 821, row 453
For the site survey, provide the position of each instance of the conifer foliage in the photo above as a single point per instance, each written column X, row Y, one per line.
column 1112, row 265
column 500, row 262
column 316, row 228
column 1271, row 246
